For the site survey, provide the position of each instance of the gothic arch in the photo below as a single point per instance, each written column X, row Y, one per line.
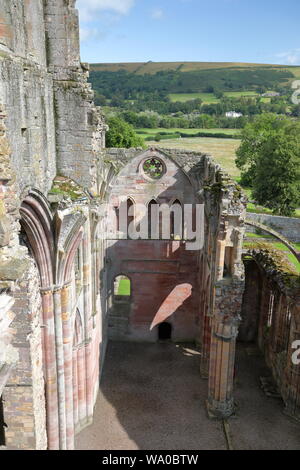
column 53, row 241
column 36, row 220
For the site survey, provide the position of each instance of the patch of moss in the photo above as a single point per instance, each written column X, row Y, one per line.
column 275, row 263
column 68, row 188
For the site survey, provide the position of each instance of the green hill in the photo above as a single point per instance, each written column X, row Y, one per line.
column 130, row 80
column 141, row 68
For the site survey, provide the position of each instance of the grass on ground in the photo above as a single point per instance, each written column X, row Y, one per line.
column 222, row 150
column 210, row 98
column 256, row 208
column 275, row 244
column 207, row 98
column 124, row 287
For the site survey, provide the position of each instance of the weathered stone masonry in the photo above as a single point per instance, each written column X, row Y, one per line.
column 212, row 315
column 57, row 269
column 52, row 128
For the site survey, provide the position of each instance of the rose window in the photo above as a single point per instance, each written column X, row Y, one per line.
column 154, row 168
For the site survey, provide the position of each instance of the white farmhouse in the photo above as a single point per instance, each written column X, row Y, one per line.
column 233, row 114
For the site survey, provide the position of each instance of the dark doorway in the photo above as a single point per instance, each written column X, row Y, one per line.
column 164, row 331
column 2, row 424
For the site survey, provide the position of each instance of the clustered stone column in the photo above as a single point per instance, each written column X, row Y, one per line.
column 225, row 315
column 69, row 370
column 221, row 369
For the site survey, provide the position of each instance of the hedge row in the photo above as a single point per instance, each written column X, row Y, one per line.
column 177, row 135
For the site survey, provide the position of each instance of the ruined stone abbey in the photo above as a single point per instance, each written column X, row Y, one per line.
column 59, row 305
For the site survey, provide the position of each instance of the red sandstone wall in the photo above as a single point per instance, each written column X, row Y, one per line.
column 163, row 278
column 163, row 273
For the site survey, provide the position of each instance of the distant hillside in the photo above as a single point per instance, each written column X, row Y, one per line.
column 142, row 68
column 130, row 81
column 190, row 95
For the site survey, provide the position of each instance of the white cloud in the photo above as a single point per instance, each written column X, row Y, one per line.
column 89, row 8
column 91, row 11
column 157, row 13
column 291, row 57
column 91, row 33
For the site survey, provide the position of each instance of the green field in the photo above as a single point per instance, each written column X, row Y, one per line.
column 146, row 132
column 124, row 287
column 238, row 94
column 222, row 150
column 210, row 98
column 207, row 98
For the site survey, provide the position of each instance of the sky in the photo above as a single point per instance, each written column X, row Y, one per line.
column 258, row 31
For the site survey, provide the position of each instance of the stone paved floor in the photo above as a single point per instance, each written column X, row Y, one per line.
column 261, row 423
column 152, row 397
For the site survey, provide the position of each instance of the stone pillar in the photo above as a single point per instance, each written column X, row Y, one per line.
column 82, row 401
column 205, row 350
column 220, row 402
column 60, row 368
column 75, row 389
column 50, row 370
column 66, row 306
column 87, row 296
column 207, row 320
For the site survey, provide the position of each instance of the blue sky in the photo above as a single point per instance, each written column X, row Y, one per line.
column 262, row 31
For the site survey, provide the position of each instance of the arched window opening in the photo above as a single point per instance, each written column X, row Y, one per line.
column 164, row 331
column 78, row 265
column 284, row 328
column 270, row 310
column 122, row 289
column 78, row 271
column 124, row 216
column 130, row 214
column 153, row 220
column 117, row 220
column 228, row 262
column 176, row 220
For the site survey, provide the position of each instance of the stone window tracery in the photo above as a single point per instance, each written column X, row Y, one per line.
column 153, row 168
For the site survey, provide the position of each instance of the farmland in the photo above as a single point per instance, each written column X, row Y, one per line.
column 141, row 68
column 223, row 150
column 186, row 104
column 152, row 132
column 209, row 98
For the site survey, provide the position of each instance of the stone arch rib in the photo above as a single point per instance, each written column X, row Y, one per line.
column 36, row 220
